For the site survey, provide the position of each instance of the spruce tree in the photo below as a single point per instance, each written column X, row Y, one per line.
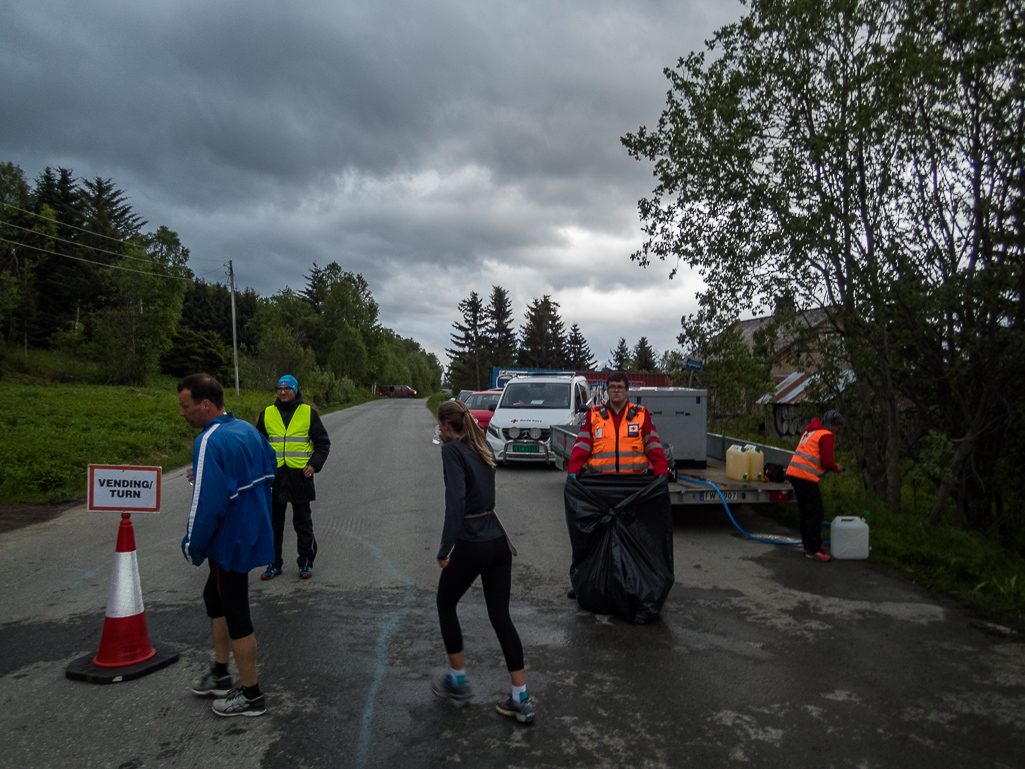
column 467, row 352
column 499, row 332
column 619, row 358
column 644, row 357
column 578, row 352
column 542, row 336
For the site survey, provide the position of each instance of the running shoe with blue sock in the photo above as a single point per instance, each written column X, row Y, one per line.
column 452, row 687
column 522, row 710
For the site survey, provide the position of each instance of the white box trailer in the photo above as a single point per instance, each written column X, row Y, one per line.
column 680, row 414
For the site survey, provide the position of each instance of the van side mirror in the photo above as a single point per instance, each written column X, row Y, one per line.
column 492, row 406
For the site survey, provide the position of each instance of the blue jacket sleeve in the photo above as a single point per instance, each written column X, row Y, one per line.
column 210, row 496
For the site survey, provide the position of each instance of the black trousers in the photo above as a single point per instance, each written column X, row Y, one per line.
column 809, row 502
column 492, row 560
column 302, row 522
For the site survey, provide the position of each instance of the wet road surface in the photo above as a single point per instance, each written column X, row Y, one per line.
column 762, row 658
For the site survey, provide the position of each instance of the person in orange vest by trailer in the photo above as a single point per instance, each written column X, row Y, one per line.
column 812, row 459
column 617, row 437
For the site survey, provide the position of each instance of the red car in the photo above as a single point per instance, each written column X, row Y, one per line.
column 482, row 406
column 396, row 391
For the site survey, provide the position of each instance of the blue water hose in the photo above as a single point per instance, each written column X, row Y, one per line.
column 734, row 520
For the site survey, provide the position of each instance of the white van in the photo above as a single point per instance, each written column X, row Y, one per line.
column 521, row 428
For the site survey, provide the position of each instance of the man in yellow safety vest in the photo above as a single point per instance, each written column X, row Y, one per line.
column 301, row 443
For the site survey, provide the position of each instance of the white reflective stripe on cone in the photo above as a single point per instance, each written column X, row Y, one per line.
column 125, row 598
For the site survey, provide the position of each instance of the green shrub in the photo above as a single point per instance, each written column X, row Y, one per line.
column 436, row 400
column 343, row 391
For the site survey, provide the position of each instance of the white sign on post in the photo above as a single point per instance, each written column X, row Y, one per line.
column 124, row 489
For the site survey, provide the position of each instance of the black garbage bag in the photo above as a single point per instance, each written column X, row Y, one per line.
column 621, row 530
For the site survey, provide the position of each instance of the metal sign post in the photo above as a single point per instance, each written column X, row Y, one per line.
column 693, row 364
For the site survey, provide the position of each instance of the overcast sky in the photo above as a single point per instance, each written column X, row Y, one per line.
column 436, row 147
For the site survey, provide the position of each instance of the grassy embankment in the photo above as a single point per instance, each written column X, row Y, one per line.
column 54, row 431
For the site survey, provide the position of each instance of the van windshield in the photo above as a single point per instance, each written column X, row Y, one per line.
column 536, row 395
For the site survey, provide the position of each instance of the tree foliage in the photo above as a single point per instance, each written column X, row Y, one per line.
column 734, row 375
column 619, row 356
column 644, row 357
column 207, row 307
column 501, row 336
column 578, row 352
column 863, row 157
column 79, row 276
column 543, row 336
column 469, row 367
column 136, row 324
column 193, row 351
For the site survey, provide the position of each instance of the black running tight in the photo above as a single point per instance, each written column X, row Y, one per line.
column 492, row 560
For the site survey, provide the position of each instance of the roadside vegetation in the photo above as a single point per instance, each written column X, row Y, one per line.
column 54, row 431
column 436, row 400
column 972, row 567
column 984, row 570
column 81, row 281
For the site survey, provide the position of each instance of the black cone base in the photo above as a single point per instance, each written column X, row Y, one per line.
column 83, row 668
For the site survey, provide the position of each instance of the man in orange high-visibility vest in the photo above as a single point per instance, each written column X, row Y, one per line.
column 812, row 459
column 617, row 437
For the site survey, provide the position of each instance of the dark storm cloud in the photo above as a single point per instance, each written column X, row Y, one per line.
column 456, row 141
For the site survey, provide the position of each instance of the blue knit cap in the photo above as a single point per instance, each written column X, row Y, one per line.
column 289, row 381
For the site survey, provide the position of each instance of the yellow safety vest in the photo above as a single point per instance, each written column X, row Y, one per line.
column 292, row 444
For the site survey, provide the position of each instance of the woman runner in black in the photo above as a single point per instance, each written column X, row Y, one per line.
column 474, row 543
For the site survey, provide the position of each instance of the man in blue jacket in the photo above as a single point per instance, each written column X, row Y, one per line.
column 229, row 525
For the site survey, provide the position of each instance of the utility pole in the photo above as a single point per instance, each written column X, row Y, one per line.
column 234, row 333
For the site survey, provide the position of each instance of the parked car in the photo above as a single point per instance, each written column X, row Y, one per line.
column 482, row 405
column 396, row 391
column 521, row 427
column 463, row 395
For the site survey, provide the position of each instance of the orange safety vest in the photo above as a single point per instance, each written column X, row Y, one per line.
column 807, row 460
column 617, row 453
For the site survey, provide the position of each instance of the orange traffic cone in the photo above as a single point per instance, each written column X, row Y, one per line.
column 125, row 649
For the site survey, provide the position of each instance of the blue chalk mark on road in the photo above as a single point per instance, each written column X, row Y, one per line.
column 388, row 627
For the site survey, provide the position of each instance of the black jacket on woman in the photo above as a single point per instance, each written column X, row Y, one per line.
column 469, row 489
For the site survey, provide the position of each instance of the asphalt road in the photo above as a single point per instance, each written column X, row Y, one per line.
column 762, row 658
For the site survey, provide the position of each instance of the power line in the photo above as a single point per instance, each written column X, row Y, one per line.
column 89, row 261
column 73, row 243
column 62, row 224
column 119, row 241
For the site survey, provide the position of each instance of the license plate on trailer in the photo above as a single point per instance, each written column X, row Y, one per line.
column 526, row 449
column 712, row 496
